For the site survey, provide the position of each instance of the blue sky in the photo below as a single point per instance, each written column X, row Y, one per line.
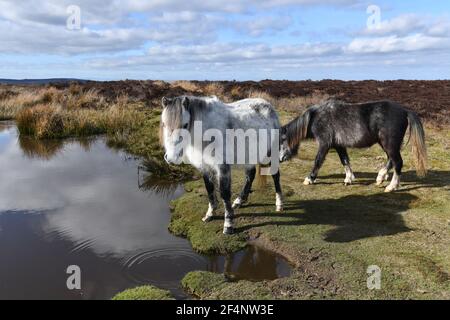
column 234, row 39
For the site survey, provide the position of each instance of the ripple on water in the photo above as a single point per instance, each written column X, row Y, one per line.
column 158, row 266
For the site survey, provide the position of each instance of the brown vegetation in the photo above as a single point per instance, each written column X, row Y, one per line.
column 430, row 99
column 118, row 107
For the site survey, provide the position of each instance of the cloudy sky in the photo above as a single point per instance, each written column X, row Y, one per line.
column 232, row 39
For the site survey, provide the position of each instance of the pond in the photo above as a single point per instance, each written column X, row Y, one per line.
column 79, row 202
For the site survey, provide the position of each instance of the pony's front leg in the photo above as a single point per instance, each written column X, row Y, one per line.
column 320, row 158
column 209, row 184
column 243, row 197
column 225, row 192
column 279, row 194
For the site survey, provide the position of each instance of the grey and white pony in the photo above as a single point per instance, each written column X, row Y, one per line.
column 338, row 125
column 186, row 112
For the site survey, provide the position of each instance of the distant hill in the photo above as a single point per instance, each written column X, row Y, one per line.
column 39, row 81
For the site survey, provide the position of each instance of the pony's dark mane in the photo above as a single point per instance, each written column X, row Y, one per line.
column 297, row 129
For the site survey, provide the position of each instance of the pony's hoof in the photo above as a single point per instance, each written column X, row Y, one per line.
column 349, row 180
column 228, row 230
column 279, row 209
column 382, row 179
column 308, row 181
column 390, row 189
column 237, row 203
column 207, row 218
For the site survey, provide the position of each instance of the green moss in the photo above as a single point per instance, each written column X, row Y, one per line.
column 209, row 285
column 202, row 283
column 187, row 222
column 143, row 293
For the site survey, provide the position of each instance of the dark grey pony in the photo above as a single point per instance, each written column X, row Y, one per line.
column 338, row 125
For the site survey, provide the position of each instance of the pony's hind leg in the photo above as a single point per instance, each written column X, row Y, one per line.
column 212, row 207
column 243, row 196
column 383, row 174
column 225, row 192
column 279, row 193
column 398, row 164
column 345, row 160
column 320, row 158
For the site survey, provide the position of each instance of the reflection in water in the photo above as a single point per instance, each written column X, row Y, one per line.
column 47, row 149
column 147, row 182
column 64, row 203
column 39, row 149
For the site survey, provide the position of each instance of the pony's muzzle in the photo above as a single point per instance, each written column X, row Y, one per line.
column 173, row 160
column 285, row 156
column 166, row 158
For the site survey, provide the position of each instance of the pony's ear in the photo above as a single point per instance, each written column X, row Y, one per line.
column 185, row 102
column 165, row 101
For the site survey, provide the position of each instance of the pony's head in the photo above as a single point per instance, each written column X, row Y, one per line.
column 287, row 150
column 293, row 133
column 176, row 120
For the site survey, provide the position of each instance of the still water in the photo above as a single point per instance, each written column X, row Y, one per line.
column 81, row 203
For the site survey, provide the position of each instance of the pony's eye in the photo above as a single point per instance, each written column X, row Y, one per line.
column 185, row 126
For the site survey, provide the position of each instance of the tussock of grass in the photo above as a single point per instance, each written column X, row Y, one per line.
column 290, row 104
column 202, row 283
column 53, row 121
column 186, row 85
column 144, row 293
column 13, row 101
column 214, row 89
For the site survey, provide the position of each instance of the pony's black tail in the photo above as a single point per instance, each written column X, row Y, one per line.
column 419, row 149
column 297, row 129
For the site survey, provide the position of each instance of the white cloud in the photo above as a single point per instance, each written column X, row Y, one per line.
column 416, row 42
column 264, row 25
column 111, row 11
column 440, row 28
column 219, row 54
column 400, row 25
